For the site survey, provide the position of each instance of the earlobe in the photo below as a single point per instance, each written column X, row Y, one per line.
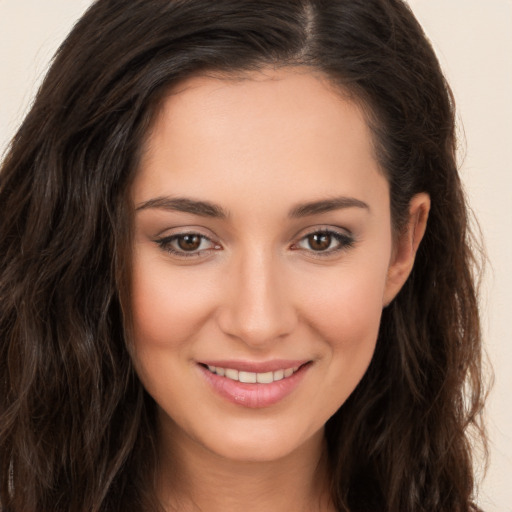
column 406, row 246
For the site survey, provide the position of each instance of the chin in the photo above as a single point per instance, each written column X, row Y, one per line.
column 259, row 444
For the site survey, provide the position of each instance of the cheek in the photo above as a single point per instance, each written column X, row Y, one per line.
column 347, row 309
column 345, row 315
column 169, row 305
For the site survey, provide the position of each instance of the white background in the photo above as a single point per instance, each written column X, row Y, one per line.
column 473, row 39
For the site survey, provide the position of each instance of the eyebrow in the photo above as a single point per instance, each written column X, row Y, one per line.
column 186, row 205
column 208, row 209
column 326, row 205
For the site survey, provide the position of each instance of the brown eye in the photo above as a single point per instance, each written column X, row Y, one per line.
column 325, row 242
column 189, row 242
column 319, row 241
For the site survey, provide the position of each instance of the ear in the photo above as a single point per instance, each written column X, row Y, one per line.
column 406, row 246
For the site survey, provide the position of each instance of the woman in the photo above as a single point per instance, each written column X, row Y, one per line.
column 236, row 268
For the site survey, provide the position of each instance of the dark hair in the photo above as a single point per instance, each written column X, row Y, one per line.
column 77, row 430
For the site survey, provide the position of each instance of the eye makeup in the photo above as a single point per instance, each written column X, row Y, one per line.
column 320, row 243
column 187, row 244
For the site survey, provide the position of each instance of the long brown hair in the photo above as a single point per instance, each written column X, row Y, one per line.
column 77, row 430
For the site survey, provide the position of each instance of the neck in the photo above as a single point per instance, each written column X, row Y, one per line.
column 193, row 479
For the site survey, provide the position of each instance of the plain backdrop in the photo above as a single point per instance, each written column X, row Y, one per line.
column 473, row 40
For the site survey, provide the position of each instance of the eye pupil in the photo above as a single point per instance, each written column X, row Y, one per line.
column 319, row 241
column 189, row 242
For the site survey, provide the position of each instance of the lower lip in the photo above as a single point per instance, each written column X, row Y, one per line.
column 254, row 395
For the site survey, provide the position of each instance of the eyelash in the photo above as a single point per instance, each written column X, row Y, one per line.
column 344, row 242
column 165, row 244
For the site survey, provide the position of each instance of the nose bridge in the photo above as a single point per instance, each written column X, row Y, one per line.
column 258, row 308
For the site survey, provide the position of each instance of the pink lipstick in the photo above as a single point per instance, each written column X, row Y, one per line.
column 254, row 384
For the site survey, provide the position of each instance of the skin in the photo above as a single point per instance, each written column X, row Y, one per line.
column 256, row 290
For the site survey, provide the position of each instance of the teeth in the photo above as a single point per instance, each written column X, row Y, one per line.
column 252, row 377
column 248, row 377
column 231, row 374
column 279, row 375
column 265, row 378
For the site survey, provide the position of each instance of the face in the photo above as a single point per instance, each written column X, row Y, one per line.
column 263, row 258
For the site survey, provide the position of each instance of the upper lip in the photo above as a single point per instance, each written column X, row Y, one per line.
column 256, row 366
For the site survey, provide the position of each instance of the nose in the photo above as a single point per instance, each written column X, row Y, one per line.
column 258, row 305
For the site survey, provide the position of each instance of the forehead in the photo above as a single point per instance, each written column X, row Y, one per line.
column 273, row 132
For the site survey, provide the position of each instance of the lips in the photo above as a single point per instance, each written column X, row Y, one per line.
column 254, row 385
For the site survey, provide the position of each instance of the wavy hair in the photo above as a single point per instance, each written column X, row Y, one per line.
column 77, row 430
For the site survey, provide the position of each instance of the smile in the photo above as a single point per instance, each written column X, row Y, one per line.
column 254, row 385
column 253, row 377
